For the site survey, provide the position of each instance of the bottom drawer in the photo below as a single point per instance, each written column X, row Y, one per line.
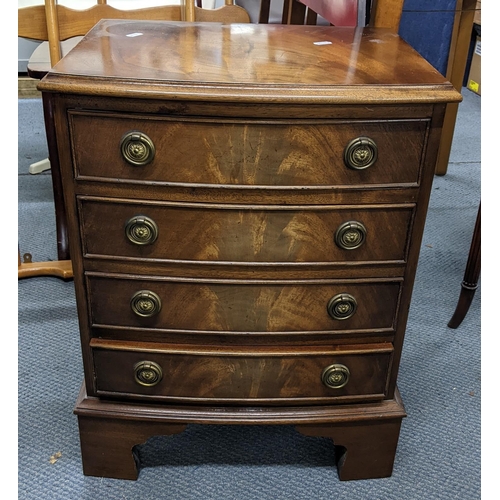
column 242, row 376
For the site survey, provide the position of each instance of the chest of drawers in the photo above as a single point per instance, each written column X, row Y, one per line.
column 245, row 207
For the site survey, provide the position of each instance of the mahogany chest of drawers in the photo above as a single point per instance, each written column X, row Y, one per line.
column 245, row 207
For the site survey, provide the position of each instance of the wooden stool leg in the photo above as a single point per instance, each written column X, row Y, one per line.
column 107, row 444
column 365, row 450
column 471, row 276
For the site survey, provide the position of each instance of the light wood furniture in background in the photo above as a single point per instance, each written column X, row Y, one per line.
column 60, row 29
column 227, row 14
column 54, row 24
column 245, row 229
column 28, row 269
column 455, row 72
column 386, row 14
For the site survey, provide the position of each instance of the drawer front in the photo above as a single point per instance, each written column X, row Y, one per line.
column 276, row 377
column 142, row 230
column 226, row 305
column 237, row 152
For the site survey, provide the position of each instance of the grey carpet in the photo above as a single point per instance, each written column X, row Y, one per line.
column 438, row 457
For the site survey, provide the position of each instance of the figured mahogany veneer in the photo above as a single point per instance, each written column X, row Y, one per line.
column 277, row 153
column 246, row 306
column 290, row 377
column 251, row 234
column 246, row 205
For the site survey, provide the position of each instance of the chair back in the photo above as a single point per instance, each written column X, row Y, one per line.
column 226, row 14
column 55, row 23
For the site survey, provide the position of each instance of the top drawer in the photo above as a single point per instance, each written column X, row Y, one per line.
column 246, row 152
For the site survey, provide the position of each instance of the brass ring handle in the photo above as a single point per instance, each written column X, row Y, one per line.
column 360, row 153
column 335, row 376
column 141, row 230
column 145, row 303
column 137, row 148
column 342, row 306
column 350, row 235
column 147, row 373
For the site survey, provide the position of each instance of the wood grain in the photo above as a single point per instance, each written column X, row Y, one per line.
column 247, row 187
column 224, row 377
column 245, row 305
column 245, row 234
column 273, row 153
column 250, row 63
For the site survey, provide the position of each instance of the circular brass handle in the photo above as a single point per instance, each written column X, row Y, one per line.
column 360, row 153
column 147, row 373
column 350, row 235
column 335, row 376
column 141, row 230
column 342, row 306
column 145, row 303
column 137, row 148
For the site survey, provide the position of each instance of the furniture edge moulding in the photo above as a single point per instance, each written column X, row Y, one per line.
column 326, row 95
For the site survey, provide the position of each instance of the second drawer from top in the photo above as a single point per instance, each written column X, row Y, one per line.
column 145, row 230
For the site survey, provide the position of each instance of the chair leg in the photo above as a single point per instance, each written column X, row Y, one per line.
column 265, row 7
column 28, row 269
column 471, row 276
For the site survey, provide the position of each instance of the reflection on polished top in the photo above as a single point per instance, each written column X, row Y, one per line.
column 282, row 61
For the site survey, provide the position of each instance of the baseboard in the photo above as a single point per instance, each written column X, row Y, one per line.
column 27, row 87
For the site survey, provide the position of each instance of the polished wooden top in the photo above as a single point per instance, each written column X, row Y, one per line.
column 249, row 63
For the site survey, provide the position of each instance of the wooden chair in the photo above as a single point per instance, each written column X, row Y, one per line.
column 59, row 28
column 226, row 14
column 66, row 26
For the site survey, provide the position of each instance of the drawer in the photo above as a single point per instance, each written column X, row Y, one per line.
column 243, row 376
column 244, row 234
column 242, row 306
column 245, row 152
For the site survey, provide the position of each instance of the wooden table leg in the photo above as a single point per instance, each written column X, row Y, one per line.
column 471, row 276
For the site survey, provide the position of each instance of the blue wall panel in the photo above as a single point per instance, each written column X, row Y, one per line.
column 427, row 25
